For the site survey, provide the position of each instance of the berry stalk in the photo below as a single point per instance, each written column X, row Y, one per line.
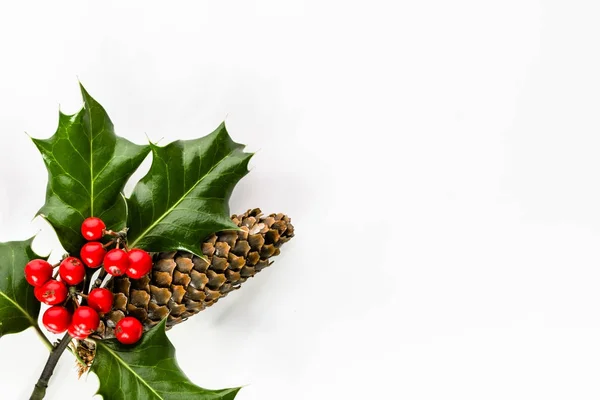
column 74, row 286
column 39, row 390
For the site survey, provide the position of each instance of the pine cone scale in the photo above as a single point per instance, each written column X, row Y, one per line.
column 181, row 284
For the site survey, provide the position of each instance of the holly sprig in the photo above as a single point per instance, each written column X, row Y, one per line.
column 181, row 200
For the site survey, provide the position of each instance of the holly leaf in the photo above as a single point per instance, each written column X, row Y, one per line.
column 147, row 370
column 184, row 197
column 18, row 307
column 88, row 166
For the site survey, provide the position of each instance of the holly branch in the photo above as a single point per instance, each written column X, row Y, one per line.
column 134, row 266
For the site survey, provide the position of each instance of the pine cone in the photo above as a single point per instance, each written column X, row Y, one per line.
column 182, row 284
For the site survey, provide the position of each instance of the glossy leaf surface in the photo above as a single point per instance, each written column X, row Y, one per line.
column 147, row 370
column 184, row 197
column 88, row 166
column 19, row 308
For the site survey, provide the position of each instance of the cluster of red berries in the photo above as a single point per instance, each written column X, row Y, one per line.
column 135, row 263
column 84, row 320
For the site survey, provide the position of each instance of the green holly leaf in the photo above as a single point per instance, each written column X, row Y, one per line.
column 88, row 166
column 18, row 307
column 184, row 197
column 147, row 370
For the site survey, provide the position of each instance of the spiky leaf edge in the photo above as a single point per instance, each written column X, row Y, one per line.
column 123, row 374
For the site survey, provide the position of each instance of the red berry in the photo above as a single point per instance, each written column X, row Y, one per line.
column 116, row 262
column 72, row 270
column 93, row 228
column 85, row 321
column 56, row 319
column 129, row 330
column 100, row 300
column 52, row 292
column 37, row 292
column 38, row 272
column 140, row 263
column 76, row 333
column 92, row 254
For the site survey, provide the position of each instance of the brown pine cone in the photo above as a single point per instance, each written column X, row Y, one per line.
column 182, row 284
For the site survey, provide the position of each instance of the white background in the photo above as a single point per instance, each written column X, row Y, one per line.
column 440, row 161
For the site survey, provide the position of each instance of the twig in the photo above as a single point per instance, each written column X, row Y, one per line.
column 39, row 390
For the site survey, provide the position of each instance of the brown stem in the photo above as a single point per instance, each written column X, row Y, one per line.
column 39, row 390
column 122, row 233
column 107, row 245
